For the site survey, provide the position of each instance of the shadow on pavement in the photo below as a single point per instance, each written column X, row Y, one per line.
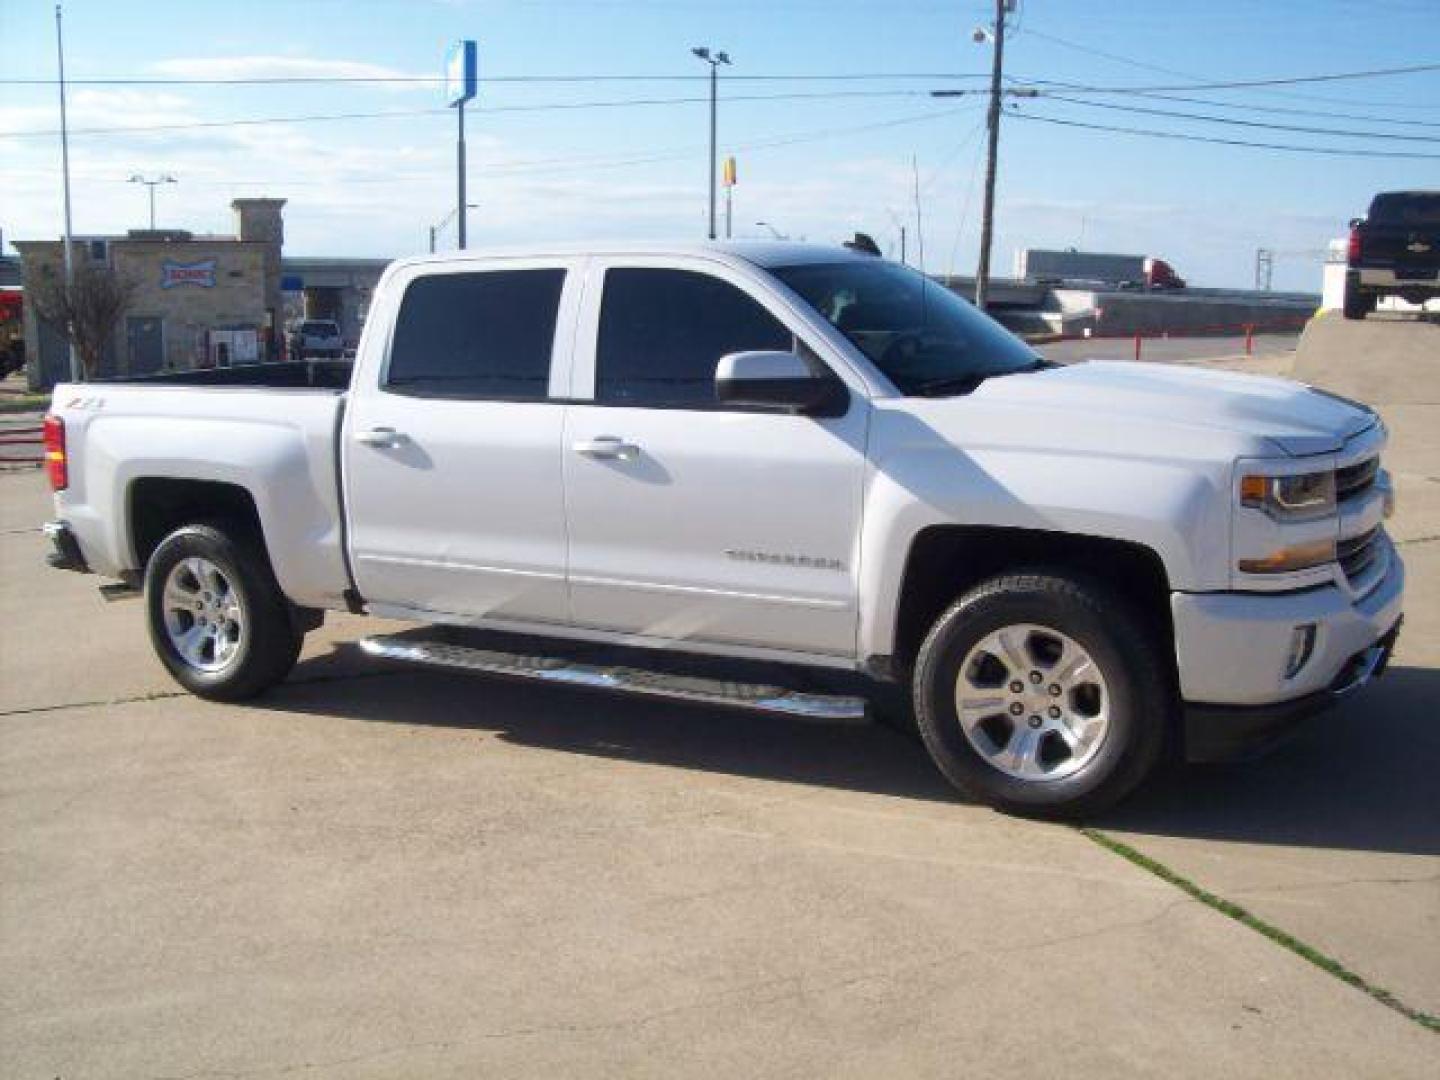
column 1365, row 777
column 1362, row 777
column 854, row 757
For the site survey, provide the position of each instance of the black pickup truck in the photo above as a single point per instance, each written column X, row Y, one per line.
column 1394, row 251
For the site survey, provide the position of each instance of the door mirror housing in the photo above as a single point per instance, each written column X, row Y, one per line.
column 777, row 381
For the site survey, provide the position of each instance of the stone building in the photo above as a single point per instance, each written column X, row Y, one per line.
column 199, row 300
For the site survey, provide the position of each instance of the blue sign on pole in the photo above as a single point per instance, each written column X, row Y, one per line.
column 462, row 71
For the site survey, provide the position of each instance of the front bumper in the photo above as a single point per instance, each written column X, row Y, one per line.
column 1232, row 648
column 1216, row 733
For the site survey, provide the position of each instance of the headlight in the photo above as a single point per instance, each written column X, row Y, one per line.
column 1300, row 497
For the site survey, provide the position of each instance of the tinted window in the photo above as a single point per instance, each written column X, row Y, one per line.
column 662, row 333
column 486, row 335
column 924, row 338
column 1412, row 208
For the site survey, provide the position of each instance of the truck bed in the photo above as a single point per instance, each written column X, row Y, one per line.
column 270, row 430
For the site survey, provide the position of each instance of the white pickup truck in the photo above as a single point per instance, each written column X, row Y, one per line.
column 774, row 476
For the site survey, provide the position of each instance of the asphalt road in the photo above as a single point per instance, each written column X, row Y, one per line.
column 378, row 872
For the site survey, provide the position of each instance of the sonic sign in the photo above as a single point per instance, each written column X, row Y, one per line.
column 174, row 274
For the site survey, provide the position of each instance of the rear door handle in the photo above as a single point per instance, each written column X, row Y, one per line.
column 385, row 437
column 608, row 446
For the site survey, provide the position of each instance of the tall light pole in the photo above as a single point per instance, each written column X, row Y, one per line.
column 77, row 373
column 152, row 182
column 714, row 60
column 987, row 213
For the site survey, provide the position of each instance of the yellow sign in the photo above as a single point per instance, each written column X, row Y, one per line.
column 729, row 172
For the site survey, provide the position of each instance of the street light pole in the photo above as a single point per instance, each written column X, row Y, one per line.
column 152, row 183
column 987, row 214
column 76, row 371
column 714, row 60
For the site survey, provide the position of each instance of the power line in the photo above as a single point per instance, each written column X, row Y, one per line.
column 829, row 95
column 1288, row 111
column 1243, row 84
column 1236, row 122
column 1191, row 76
column 592, row 161
column 1331, row 151
column 493, row 80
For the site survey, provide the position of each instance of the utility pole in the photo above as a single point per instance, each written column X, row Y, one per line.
column 714, row 60
column 987, row 218
column 76, row 372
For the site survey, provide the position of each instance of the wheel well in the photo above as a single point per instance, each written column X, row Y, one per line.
column 160, row 505
column 945, row 561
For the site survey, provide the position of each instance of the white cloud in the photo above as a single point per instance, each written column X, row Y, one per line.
column 286, row 67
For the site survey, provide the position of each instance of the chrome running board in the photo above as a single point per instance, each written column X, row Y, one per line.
column 754, row 696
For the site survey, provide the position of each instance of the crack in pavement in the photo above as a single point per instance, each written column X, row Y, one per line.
column 1285, row 940
column 166, row 695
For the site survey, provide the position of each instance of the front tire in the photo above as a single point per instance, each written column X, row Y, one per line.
column 217, row 618
column 1043, row 694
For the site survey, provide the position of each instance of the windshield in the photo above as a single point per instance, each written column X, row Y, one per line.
column 1409, row 208
column 924, row 338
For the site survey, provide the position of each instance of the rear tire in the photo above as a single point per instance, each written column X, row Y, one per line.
column 217, row 618
column 1356, row 303
column 1066, row 693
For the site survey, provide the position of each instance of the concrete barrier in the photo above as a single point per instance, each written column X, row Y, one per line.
column 1127, row 312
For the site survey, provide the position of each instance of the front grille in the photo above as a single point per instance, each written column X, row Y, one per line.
column 1352, row 481
column 1358, row 553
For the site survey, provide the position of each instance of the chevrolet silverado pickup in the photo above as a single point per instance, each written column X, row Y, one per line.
column 767, row 475
column 1394, row 251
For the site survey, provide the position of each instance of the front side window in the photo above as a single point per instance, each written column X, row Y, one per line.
column 486, row 335
column 662, row 333
column 924, row 338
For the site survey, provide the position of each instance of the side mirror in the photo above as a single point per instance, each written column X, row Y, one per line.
column 781, row 381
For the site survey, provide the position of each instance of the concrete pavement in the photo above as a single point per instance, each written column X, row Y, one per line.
column 1336, row 838
column 379, row 872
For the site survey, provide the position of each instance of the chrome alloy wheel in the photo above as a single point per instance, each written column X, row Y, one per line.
column 1032, row 702
column 204, row 618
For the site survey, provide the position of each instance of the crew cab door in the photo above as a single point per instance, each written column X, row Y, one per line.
column 689, row 520
column 452, row 447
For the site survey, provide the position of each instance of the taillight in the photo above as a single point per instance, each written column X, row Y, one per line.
column 1352, row 250
column 55, row 460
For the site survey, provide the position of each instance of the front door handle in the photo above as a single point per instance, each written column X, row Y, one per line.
column 608, row 446
column 384, row 437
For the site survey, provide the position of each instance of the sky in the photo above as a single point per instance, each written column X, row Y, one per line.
column 818, row 158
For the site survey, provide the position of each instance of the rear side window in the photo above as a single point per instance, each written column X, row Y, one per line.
column 485, row 335
column 662, row 333
column 1411, row 208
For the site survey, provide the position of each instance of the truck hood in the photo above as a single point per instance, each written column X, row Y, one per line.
column 1299, row 419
